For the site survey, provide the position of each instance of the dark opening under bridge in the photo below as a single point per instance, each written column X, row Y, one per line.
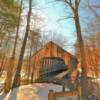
column 54, row 68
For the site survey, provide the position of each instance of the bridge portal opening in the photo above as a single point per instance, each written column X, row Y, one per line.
column 51, row 66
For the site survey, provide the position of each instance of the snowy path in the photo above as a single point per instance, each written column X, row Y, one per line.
column 35, row 91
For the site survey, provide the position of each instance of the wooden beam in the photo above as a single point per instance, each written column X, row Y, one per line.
column 64, row 94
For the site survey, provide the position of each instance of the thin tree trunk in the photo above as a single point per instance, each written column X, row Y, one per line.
column 17, row 75
column 8, row 82
column 32, row 76
column 29, row 65
column 32, row 71
column 2, row 65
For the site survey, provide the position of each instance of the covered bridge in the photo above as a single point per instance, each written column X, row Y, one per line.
column 49, row 50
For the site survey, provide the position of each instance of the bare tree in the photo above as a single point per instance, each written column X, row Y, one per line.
column 3, row 53
column 18, row 70
column 74, row 6
column 8, row 82
column 33, row 40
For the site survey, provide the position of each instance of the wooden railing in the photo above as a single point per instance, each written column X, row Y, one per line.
column 65, row 94
column 50, row 66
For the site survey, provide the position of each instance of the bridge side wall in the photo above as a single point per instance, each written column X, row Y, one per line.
column 50, row 50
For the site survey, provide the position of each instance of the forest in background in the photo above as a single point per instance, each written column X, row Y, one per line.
column 21, row 35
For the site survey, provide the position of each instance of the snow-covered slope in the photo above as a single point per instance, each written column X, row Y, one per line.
column 36, row 91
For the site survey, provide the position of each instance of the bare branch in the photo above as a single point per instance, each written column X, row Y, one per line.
column 70, row 4
column 93, row 9
column 64, row 18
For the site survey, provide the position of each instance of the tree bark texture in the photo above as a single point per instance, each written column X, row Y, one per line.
column 16, row 81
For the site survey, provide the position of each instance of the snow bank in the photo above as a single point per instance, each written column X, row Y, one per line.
column 36, row 91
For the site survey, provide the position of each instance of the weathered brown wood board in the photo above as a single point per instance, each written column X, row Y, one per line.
column 68, row 95
column 49, row 50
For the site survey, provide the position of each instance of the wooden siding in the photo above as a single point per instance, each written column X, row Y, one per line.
column 49, row 50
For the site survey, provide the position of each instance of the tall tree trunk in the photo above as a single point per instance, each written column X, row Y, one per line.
column 81, row 47
column 74, row 7
column 80, row 43
column 10, row 69
column 17, row 75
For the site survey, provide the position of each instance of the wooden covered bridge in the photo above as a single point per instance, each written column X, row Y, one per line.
column 50, row 58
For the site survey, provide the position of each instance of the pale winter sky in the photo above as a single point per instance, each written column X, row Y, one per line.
column 51, row 16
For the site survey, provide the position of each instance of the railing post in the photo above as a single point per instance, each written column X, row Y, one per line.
column 63, row 88
column 79, row 93
column 51, row 95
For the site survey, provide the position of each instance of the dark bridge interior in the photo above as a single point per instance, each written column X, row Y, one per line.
column 51, row 66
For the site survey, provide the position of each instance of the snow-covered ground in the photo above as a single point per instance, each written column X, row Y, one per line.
column 36, row 91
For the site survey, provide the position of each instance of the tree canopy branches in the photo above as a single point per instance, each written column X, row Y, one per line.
column 8, row 16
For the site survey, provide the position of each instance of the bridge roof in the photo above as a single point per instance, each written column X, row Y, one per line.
column 52, row 43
